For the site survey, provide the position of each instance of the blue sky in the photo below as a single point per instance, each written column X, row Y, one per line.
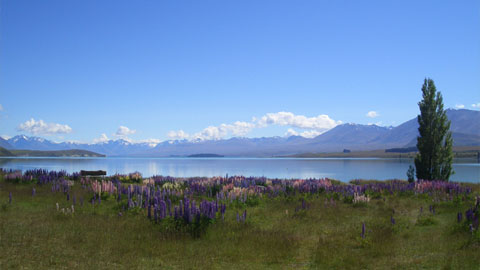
column 148, row 69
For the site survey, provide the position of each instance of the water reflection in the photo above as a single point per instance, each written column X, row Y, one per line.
column 338, row 168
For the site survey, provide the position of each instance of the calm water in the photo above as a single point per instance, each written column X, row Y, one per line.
column 343, row 169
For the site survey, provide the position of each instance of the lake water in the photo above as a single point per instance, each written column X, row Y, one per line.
column 343, row 169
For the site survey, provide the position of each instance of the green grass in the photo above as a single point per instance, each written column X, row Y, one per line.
column 33, row 235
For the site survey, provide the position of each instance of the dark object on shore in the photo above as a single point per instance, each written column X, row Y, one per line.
column 346, row 151
column 93, row 173
column 207, row 155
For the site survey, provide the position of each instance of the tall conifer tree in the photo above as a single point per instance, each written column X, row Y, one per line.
column 434, row 158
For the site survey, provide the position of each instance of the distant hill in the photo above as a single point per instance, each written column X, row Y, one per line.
column 58, row 153
column 465, row 127
column 471, row 152
column 111, row 148
column 204, row 155
column 4, row 152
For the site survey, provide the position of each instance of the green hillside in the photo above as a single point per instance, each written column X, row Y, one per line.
column 5, row 153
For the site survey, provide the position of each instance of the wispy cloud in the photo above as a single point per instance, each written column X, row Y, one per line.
column 314, row 126
column 372, row 114
column 124, row 131
column 459, row 106
column 178, row 135
column 305, row 134
column 42, row 128
column 476, row 105
column 103, row 138
column 214, row 132
column 321, row 122
column 1, row 107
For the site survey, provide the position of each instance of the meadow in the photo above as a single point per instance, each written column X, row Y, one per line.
column 55, row 220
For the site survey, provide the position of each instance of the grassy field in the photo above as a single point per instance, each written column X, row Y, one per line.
column 280, row 232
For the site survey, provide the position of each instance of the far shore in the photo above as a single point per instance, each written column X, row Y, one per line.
column 470, row 152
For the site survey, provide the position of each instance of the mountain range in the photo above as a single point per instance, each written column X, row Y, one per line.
column 465, row 128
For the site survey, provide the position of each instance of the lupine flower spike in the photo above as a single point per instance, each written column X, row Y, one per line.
column 363, row 229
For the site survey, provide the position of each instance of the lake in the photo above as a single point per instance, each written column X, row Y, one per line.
column 343, row 169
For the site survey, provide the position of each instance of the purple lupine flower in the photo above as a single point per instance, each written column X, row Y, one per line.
column 245, row 216
column 68, row 197
column 392, row 220
column 363, row 229
column 169, row 204
column 475, row 221
column 459, row 217
column 163, row 207
column 155, row 213
column 238, row 217
column 469, row 214
column 10, row 197
column 33, row 192
column 197, row 217
column 149, row 212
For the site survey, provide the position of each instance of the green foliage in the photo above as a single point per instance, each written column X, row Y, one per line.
column 434, row 160
column 106, row 196
column 373, row 194
column 425, row 221
column 411, row 174
column 215, row 189
column 348, row 199
column 252, row 201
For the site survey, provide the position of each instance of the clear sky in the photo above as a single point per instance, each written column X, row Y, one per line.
column 74, row 70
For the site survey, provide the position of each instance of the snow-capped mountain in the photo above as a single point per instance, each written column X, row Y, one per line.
column 465, row 127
